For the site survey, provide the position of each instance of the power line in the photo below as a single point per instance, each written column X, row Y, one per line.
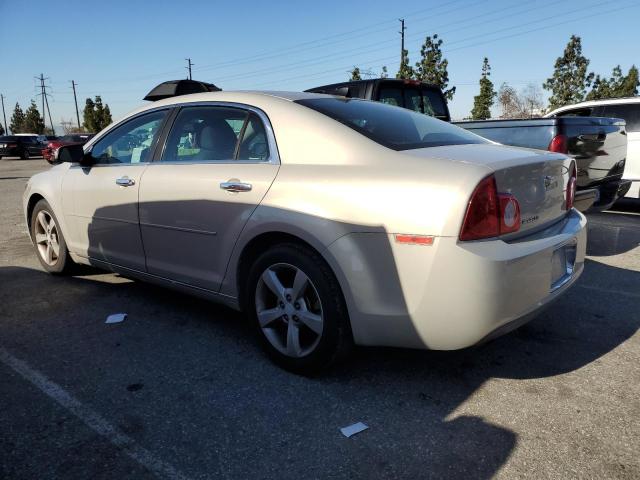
column 446, row 51
column 329, row 58
column 304, row 46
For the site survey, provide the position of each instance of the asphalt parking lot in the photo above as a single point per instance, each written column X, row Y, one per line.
column 181, row 390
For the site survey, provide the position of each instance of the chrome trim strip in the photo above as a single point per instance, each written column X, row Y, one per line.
column 180, row 229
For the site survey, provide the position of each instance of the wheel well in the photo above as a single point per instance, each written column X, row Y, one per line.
column 257, row 246
column 33, row 199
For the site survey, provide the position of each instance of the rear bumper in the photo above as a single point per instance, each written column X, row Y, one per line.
column 453, row 294
column 607, row 194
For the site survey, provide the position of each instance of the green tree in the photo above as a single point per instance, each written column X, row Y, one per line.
column 33, row 121
column 406, row 70
column 618, row 85
column 17, row 120
column 484, row 100
column 96, row 116
column 355, row 74
column 569, row 80
column 432, row 68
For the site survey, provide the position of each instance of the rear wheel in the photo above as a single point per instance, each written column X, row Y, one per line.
column 298, row 308
column 50, row 244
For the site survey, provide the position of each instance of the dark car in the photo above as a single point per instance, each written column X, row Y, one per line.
column 71, row 139
column 23, row 146
column 411, row 94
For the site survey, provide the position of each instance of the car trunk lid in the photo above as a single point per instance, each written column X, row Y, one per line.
column 537, row 179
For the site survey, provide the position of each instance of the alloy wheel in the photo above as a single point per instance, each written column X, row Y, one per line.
column 289, row 310
column 46, row 237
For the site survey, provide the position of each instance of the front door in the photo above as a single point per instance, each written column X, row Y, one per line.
column 217, row 165
column 103, row 208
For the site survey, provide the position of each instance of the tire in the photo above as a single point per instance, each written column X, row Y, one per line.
column 319, row 345
column 46, row 236
column 25, row 155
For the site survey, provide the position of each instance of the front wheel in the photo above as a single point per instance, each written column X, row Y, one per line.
column 25, row 155
column 298, row 308
column 50, row 244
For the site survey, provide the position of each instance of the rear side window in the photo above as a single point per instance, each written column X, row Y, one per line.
column 576, row 112
column 395, row 128
column 210, row 133
column 629, row 113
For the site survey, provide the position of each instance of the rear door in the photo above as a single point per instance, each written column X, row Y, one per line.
column 218, row 163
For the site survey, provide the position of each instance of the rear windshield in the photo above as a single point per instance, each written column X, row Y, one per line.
column 9, row 138
column 394, row 127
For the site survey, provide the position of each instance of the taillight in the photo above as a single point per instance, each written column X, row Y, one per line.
column 12, row 145
column 489, row 213
column 571, row 186
column 559, row 144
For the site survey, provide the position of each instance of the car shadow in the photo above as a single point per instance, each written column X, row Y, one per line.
column 404, row 395
column 612, row 233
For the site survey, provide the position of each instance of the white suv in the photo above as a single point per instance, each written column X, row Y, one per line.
column 629, row 110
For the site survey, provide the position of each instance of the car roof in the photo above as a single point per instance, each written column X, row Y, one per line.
column 232, row 96
column 595, row 103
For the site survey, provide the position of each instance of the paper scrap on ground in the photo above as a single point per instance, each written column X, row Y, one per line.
column 116, row 318
column 353, row 429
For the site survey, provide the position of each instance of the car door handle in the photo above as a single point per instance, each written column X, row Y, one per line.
column 125, row 181
column 235, row 186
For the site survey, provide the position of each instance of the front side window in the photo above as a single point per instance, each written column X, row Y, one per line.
column 209, row 133
column 131, row 142
column 395, row 128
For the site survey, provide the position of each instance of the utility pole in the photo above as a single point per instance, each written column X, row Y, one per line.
column 53, row 131
column 43, row 92
column 75, row 99
column 4, row 115
column 43, row 95
column 401, row 32
column 188, row 67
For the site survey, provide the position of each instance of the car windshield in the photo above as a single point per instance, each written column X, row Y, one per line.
column 9, row 138
column 394, row 127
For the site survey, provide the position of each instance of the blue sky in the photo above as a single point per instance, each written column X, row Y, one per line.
column 121, row 49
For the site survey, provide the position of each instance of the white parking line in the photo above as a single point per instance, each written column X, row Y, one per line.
column 92, row 419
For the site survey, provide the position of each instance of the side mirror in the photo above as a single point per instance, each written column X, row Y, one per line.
column 73, row 154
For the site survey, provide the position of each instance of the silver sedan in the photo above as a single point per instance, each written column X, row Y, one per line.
column 329, row 221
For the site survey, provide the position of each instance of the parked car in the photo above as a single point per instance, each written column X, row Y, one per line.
column 70, row 139
column 23, row 146
column 327, row 220
column 625, row 108
column 597, row 145
column 411, row 94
